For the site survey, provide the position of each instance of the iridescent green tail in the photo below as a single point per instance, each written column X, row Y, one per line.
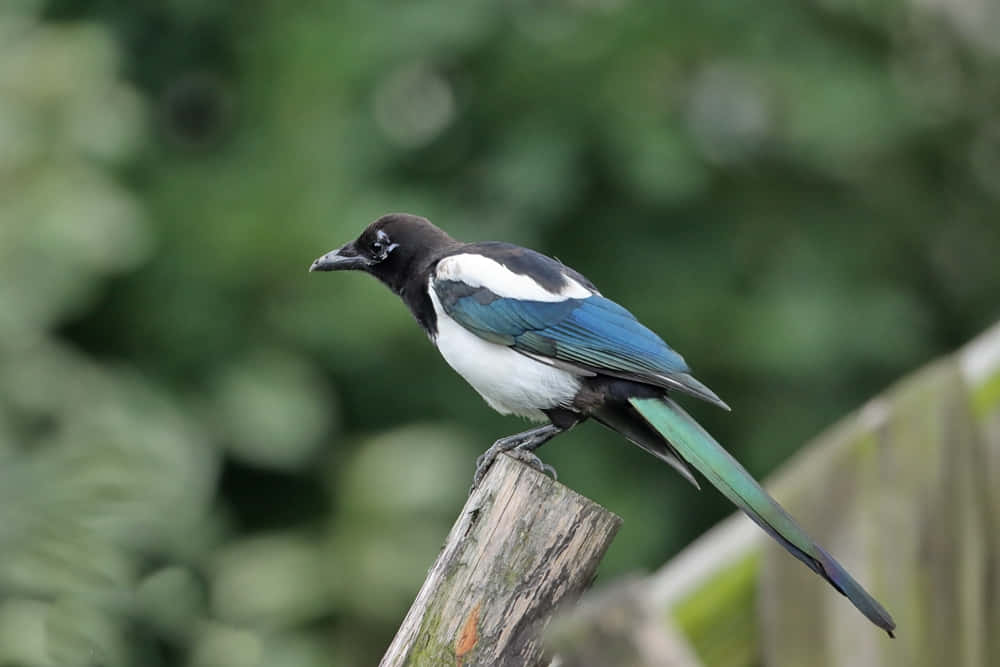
column 701, row 451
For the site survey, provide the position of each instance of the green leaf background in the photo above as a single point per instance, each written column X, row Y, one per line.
column 209, row 457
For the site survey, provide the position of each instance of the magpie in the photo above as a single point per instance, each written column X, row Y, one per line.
column 537, row 339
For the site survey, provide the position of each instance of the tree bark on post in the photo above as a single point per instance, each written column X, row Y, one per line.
column 523, row 545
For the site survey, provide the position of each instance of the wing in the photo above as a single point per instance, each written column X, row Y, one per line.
column 590, row 334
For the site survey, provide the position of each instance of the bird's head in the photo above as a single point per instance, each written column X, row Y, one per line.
column 392, row 248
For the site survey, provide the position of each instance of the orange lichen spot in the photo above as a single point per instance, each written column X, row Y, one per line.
column 468, row 636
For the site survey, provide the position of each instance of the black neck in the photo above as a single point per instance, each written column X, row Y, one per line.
column 414, row 295
column 409, row 279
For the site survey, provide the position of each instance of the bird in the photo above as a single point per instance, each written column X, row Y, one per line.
column 537, row 339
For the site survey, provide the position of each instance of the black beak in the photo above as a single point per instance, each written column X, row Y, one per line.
column 343, row 259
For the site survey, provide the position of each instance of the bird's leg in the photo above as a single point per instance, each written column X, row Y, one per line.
column 521, row 446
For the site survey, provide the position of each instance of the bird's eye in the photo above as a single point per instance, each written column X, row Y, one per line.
column 382, row 246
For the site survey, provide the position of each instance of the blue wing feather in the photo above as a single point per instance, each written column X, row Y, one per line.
column 594, row 333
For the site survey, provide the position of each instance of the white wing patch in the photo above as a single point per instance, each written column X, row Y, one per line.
column 511, row 382
column 478, row 271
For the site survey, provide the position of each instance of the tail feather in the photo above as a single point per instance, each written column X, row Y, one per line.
column 622, row 419
column 701, row 451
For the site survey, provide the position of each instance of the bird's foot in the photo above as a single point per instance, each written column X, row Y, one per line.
column 530, row 458
column 521, row 446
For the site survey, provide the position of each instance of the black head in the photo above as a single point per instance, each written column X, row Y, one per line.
column 395, row 249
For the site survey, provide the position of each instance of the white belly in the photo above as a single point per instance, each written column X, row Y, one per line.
column 509, row 381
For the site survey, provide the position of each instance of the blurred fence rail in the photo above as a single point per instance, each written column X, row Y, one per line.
column 906, row 493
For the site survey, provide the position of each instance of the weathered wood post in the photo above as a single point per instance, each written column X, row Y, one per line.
column 523, row 545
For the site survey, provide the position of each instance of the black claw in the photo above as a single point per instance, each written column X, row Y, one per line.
column 528, row 457
column 483, row 463
column 520, row 446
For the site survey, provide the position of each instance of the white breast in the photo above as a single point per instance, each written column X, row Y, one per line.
column 509, row 381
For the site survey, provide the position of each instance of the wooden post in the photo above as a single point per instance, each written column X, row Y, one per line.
column 523, row 545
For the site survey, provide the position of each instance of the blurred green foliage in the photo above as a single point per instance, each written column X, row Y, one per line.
column 210, row 457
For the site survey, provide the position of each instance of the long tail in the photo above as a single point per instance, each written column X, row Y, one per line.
column 702, row 452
